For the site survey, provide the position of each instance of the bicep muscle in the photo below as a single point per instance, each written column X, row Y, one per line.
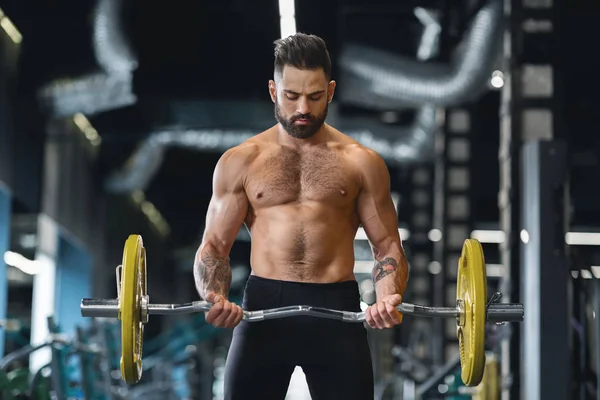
column 228, row 206
column 376, row 209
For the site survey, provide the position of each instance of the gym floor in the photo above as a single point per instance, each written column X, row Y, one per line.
column 114, row 114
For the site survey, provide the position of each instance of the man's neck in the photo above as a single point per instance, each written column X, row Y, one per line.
column 320, row 137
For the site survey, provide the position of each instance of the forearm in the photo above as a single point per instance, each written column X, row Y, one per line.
column 390, row 273
column 212, row 272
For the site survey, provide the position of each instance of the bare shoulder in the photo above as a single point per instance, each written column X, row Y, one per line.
column 242, row 155
column 231, row 166
column 364, row 156
column 234, row 164
column 360, row 156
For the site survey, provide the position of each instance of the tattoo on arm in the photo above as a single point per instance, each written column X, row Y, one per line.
column 383, row 268
column 212, row 274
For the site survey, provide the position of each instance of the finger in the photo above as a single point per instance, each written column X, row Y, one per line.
column 394, row 300
column 224, row 315
column 210, row 297
column 214, row 312
column 213, row 297
column 239, row 315
column 376, row 316
column 369, row 318
column 392, row 315
column 383, row 314
column 231, row 320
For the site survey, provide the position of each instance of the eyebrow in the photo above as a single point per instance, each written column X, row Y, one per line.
column 298, row 94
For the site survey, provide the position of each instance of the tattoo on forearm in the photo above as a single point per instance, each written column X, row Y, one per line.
column 212, row 274
column 383, row 268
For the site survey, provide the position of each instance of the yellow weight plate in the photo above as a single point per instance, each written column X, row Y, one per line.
column 471, row 295
column 133, row 287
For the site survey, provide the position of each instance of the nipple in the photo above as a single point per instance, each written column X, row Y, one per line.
column 342, row 192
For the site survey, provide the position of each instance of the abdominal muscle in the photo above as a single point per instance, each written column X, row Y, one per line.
column 303, row 243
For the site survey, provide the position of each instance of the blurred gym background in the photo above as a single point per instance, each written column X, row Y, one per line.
column 113, row 114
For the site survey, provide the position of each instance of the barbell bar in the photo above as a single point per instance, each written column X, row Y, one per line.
column 496, row 312
column 133, row 308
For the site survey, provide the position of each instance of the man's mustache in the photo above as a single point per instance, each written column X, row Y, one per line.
column 302, row 116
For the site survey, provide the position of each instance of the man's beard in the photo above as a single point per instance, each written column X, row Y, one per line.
column 314, row 123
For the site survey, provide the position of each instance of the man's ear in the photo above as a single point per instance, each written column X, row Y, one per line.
column 330, row 91
column 273, row 91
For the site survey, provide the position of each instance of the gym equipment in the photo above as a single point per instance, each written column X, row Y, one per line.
column 431, row 385
column 489, row 388
column 10, row 325
column 61, row 374
column 133, row 308
column 471, row 294
column 40, row 385
column 18, row 381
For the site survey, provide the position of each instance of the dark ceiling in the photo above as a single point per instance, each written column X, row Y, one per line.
column 191, row 51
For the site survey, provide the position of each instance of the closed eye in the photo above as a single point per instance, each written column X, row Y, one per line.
column 314, row 96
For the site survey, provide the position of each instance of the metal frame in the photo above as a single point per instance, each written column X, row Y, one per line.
column 528, row 112
column 545, row 272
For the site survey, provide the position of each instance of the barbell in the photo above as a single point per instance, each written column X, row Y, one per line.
column 133, row 308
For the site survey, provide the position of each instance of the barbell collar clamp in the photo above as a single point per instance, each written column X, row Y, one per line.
column 460, row 319
column 145, row 304
column 100, row 308
column 505, row 312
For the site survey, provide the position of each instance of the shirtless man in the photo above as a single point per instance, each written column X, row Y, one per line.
column 302, row 188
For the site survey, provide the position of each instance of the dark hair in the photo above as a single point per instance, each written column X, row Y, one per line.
column 302, row 51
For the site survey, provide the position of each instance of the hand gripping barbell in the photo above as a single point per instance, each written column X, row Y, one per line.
column 133, row 308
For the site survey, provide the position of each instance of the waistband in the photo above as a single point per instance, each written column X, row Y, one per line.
column 326, row 286
column 261, row 293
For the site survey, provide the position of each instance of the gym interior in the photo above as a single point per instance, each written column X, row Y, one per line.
column 114, row 113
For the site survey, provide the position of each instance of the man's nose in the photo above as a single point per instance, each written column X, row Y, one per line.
column 303, row 106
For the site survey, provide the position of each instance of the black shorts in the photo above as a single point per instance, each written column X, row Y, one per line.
column 334, row 355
